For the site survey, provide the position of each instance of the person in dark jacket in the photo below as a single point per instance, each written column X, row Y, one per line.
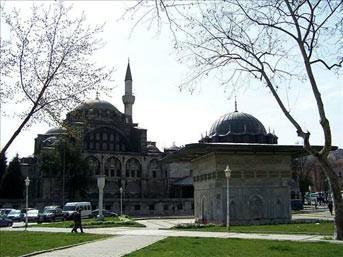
column 77, row 221
column 330, row 206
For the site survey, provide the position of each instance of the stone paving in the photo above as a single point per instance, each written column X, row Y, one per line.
column 114, row 247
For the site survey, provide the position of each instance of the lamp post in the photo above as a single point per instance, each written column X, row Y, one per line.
column 101, row 185
column 227, row 172
column 121, row 201
column 27, row 183
column 310, row 197
column 63, row 170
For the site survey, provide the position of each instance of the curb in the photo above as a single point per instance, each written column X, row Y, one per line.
column 60, row 248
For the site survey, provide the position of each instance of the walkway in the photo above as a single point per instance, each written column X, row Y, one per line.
column 113, row 247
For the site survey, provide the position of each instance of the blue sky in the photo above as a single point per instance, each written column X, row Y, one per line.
column 174, row 116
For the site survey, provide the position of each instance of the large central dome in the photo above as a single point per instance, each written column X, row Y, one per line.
column 97, row 104
column 239, row 127
column 237, row 123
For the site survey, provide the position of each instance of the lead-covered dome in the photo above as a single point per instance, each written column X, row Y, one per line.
column 239, row 127
column 56, row 131
column 237, row 123
column 97, row 104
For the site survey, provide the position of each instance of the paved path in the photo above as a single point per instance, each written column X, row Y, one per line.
column 114, row 247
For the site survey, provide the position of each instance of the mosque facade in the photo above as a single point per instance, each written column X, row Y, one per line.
column 114, row 146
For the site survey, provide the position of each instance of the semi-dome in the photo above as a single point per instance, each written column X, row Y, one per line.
column 54, row 131
column 97, row 104
column 239, row 127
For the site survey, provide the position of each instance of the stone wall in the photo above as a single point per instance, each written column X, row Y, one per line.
column 258, row 188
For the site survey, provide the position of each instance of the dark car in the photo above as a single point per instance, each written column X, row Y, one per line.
column 106, row 213
column 15, row 215
column 297, row 205
column 4, row 212
column 5, row 222
column 51, row 213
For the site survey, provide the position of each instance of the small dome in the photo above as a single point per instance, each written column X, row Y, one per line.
column 172, row 148
column 152, row 148
column 97, row 104
column 239, row 127
column 237, row 123
column 55, row 131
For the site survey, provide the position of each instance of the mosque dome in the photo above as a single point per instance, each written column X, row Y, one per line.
column 97, row 104
column 239, row 127
column 237, row 123
column 152, row 148
column 55, row 131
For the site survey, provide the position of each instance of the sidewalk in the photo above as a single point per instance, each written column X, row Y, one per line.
column 113, row 247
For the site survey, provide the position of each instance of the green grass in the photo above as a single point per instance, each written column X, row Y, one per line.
column 93, row 223
column 17, row 243
column 323, row 228
column 218, row 247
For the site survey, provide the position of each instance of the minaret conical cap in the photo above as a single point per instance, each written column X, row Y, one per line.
column 128, row 73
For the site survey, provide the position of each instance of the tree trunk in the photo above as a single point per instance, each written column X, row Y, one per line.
column 336, row 194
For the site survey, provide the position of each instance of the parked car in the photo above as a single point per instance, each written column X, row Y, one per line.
column 71, row 207
column 5, row 222
column 32, row 215
column 297, row 205
column 51, row 213
column 106, row 213
column 5, row 211
column 15, row 215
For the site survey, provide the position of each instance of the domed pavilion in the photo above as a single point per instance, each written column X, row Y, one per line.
column 254, row 190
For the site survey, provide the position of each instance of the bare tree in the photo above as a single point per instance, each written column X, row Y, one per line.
column 46, row 64
column 272, row 41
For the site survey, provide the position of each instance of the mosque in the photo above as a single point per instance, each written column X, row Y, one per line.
column 114, row 146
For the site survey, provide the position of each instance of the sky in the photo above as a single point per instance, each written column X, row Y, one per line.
column 171, row 115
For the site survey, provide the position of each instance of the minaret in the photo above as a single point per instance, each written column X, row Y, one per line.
column 128, row 98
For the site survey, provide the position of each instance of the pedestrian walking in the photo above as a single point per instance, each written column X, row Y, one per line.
column 77, row 221
column 330, row 206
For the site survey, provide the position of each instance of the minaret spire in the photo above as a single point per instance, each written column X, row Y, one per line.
column 236, row 104
column 128, row 98
column 128, row 76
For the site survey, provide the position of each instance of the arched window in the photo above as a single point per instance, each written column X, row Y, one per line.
column 256, row 207
column 154, row 169
column 113, row 167
column 93, row 166
column 133, row 168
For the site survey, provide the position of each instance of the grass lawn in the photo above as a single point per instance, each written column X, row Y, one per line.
column 17, row 243
column 324, row 228
column 93, row 223
column 218, row 247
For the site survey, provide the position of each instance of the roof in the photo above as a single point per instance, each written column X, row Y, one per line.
column 54, row 131
column 192, row 151
column 237, row 123
column 128, row 73
column 186, row 181
column 97, row 104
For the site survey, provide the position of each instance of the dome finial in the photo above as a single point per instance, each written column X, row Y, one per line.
column 236, row 104
column 97, row 95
